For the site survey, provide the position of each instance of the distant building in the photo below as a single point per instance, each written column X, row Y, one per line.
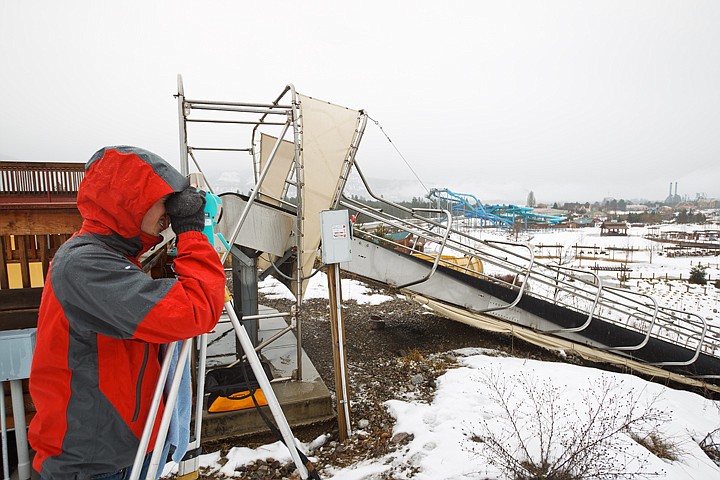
column 708, row 203
column 673, row 198
column 613, row 229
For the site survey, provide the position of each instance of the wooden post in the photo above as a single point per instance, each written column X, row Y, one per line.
column 21, row 243
column 4, row 275
column 337, row 327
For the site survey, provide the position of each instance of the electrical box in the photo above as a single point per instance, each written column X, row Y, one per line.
column 16, row 351
column 336, row 236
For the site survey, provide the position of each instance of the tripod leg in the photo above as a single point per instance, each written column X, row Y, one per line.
column 190, row 464
column 154, row 406
column 272, row 400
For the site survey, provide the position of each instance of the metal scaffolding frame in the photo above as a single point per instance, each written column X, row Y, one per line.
column 281, row 119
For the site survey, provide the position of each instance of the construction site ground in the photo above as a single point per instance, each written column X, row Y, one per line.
column 395, row 349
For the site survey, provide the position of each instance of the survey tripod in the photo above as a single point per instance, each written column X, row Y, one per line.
column 191, row 465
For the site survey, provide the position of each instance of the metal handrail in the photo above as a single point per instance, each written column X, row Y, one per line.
column 592, row 310
column 524, row 283
column 649, row 330
column 697, row 350
column 439, row 254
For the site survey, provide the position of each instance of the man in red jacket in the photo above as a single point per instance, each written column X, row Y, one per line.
column 102, row 319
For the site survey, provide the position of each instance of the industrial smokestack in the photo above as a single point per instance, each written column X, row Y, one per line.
column 670, row 191
column 676, row 189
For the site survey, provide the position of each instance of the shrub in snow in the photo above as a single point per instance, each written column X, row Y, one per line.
column 538, row 434
column 698, row 275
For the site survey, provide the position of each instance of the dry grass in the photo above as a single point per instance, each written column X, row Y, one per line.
column 412, row 356
column 658, row 446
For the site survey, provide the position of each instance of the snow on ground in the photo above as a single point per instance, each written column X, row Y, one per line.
column 445, row 433
column 318, row 288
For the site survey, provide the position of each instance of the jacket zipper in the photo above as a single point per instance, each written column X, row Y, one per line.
column 138, row 387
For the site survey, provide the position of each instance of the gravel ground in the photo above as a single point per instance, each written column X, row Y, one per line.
column 395, row 349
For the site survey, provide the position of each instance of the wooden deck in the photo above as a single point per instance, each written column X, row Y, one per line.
column 38, row 212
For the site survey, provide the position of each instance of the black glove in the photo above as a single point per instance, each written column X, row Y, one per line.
column 186, row 210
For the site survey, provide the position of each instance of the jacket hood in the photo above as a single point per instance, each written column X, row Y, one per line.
column 121, row 183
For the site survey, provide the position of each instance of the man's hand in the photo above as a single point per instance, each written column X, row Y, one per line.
column 186, row 210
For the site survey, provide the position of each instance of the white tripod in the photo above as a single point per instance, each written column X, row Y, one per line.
column 171, row 399
column 184, row 356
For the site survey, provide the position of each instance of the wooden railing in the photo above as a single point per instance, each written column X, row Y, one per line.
column 43, row 181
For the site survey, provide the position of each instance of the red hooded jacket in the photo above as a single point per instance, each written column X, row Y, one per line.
column 102, row 319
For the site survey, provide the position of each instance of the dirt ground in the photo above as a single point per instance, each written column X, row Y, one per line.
column 395, row 349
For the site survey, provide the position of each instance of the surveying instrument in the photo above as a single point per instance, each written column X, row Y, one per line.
column 313, row 166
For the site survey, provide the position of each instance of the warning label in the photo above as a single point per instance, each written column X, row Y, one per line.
column 339, row 231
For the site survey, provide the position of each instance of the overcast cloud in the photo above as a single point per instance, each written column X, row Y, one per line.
column 575, row 100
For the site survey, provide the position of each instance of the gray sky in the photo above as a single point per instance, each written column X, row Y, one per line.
column 575, row 100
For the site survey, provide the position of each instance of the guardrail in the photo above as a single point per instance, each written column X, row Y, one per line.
column 45, row 180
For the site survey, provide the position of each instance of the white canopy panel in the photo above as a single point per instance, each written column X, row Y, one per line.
column 328, row 132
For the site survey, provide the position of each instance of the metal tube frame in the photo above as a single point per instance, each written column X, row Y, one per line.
column 184, row 108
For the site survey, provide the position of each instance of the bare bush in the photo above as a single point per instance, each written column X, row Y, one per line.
column 711, row 446
column 543, row 436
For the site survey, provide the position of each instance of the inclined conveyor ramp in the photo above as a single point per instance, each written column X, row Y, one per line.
column 548, row 304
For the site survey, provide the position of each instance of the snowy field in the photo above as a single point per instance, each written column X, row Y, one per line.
column 452, row 436
column 648, row 262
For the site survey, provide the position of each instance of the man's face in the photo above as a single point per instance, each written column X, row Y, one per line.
column 156, row 219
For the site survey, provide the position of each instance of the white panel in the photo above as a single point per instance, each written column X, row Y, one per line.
column 328, row 132
column 274, row 182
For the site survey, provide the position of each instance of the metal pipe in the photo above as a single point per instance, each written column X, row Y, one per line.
column 218, row 149
column 182, row 127
column 16, row 393
column 239, row 122
column 196, row 106
column 350, row 159
column 264, row 343
column 3, row 429
column 275, row 103
column 274, row 337
column 200, row 381
column 590, row 314
column 239, row 104
column 448, row 215
column 261, row 316
column 697, row 350
column 341, row 344
column 649, row 330
column 299, row 188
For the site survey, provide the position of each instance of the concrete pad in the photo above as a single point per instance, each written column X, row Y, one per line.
column 303, row 402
